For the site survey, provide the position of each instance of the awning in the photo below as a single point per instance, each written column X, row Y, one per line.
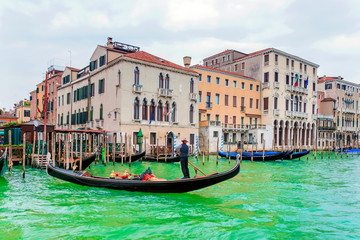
column 346, row 101
column 1, row 133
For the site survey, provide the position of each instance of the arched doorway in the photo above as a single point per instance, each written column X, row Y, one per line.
column 170, row 140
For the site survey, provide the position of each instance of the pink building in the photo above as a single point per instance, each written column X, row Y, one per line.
column 33, row 105
column 54, row 81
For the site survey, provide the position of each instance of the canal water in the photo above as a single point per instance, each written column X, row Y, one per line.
column 298, row 199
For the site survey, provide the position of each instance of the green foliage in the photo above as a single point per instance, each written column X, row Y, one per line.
column 11, row 124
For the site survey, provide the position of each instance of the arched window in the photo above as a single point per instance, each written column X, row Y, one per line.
column 161, row 81
column 136, row 109
column 101, row 112
column 67, row 118
column 167, row 106
column 167, row 81
column 91, row 113
column 159, row 111
column 62, row 118
column 191, row 114
column 191, row 85
column 173, row 113
column 152, row 110
column 144, row 109
column 136, row 76
column 296, row 104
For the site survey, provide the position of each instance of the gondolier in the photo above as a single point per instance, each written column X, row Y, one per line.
column 184, row 154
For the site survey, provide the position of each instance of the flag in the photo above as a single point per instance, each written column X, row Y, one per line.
column 164, row 113
column 306, row 82
column 170, row 111
column 296, row 80
column 152, row 117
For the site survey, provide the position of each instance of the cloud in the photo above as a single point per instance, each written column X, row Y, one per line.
column 341, row 44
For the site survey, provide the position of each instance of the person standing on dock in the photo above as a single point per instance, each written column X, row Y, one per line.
column 184, row 154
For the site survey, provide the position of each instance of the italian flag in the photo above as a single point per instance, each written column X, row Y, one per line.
column 296, row 80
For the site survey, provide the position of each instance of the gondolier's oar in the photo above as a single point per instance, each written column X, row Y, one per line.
column 196, row 168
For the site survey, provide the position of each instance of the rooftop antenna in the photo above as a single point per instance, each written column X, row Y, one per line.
column 70, row 56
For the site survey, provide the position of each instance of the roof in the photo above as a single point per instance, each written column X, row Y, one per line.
column 147, row 57
column 226, row 51
column 113, row 49
column 218, row 70
column 73, row 69
column 77, row 130
column 7, row 115
column 321, row 79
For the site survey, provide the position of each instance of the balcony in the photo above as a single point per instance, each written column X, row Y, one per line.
column 209, row 105
column 242, row 109
column 314, row 93
column 265, row 85
column 348, row 129
column 323, row 117
column 99, row 123
column 215, row 123
column 241, row 127
column 276, row 85
column 297, row 89
column 293, row 114
column 349, row 110
column 277, row 112
column 349, row 93
column 193, row 96
column 89, row 125
column 164, row 92
column 137, row 88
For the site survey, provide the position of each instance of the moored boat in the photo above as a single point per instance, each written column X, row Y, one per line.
column 85, row 162
column 162, row 186
column 169, row 159
column 297, row 155
column 126, row 158
column 3, row 163
column 256, row 157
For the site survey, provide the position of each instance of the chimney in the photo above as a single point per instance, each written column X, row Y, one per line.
column 109, row 42
column 187, row 61
column 324, row 78
column 339, row 77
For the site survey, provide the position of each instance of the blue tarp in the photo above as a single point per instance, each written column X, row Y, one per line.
column 349, row 101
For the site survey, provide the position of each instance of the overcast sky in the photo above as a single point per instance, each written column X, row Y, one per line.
column 36, row 34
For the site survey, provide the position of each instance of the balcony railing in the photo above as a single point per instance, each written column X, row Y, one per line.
column 294, row 114
column 315, row 93
column 233, row 126
column 276, row 112
column 297, row 89
column 349, row 129
column 265, row 85
column 349, row 92
column 323, row 117
column 137, row 88
column 193, row 96
column 209, row 105
column 164, row 92
column 242, row 108
column 276, row 85
column 99, row 123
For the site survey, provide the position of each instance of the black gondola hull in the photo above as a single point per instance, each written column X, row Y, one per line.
column 169, row 186
column 273, row 157
column 162, row 159
column 126, row 158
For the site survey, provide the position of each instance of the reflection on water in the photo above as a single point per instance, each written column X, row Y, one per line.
column 315, row 198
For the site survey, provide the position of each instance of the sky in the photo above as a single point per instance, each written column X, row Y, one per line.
column 37, row 34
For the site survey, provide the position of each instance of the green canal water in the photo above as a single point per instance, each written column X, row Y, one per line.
column 306, row 199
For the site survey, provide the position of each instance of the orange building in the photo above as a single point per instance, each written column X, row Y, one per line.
column 229, row 106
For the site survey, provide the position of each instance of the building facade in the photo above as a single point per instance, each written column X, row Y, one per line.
column 124, row 90
column 33, row 110
column 54, row 81
column 288, row 88
column 229, row 108
column 22, row 110
column 345, row 111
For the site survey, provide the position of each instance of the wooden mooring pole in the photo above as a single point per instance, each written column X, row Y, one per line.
column 24, row 151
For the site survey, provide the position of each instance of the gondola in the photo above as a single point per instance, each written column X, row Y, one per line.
column 85, row 162
column 169, row 159
column 3, row 163
column 165, row 186
column 126, row 158
column 297, row 155
column 256, row 157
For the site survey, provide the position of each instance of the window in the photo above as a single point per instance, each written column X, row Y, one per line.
column 242, row 66
column 93, row 65
column 223, row 58
column 266, row 77
column 276, row 77
column 313, row 109
column 159, row 111
column 208, row 117
column 257, row 103
column 208, row 100
column 226, row 100
column 314, row 71
column 217, row 117
column 300, row 67
column 26, row 113
column 191, row 113
column 62, row 119
column 229, row 57
column 287, row 62
column 305, row 68
column 144, row 109
column 62, row 100
column 226, row 82
column 251, row 87
column 338, row 86
column 292, row 63
column 101, row 86
column 266, row 59
column 200, row 77
column 242, row 85
column 192, row 139
column 167, row 82
column 102, row 61
column 215, row 134
column 287, row 80
column 136, row 76
column 101, row 112
column 68, row 98
column 67, row 118
column 314, row 86
column 234, row 120
column 236, row 67
column 287, row 104
column 235, row 84
column 92, row 90
column 166, row 112
column 328, row 86
column 209, row 79
column 152, row 110
column 91, row 113
column 242, row 102
column 234, row 101
column 266, row 103
column 191, row 85
column 173, row 113
column 161, row 81
column 275, row 103
column 257, row 88
column 136, row 109
column 276, row 59
column 217, row 81
column 65, row 79
column 251, row 103
column 200, row 96
column 217, row 99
